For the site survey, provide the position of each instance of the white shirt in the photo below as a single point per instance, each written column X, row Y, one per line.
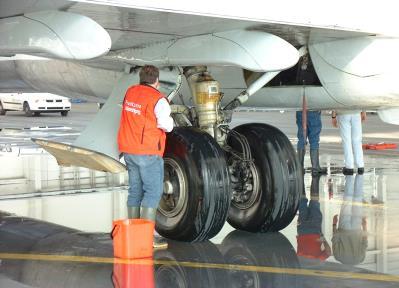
column 162, row 112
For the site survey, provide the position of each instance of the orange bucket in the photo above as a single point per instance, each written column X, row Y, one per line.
column 137, row 275
column 132, row 238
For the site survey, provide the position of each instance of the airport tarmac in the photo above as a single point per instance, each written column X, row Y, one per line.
column 54, row 229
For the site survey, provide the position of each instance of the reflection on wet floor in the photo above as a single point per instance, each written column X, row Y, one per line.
column 32, row 170
column 13, row 139
column 345, row 235
column 360, row 250
column 47, row 255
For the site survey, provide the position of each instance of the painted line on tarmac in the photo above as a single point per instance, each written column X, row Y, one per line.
column 248, row 268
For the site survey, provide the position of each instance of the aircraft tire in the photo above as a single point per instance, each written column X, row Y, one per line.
column 170, row 274
column 275, row 179
column 197, row 190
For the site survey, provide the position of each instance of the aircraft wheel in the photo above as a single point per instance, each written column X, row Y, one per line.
column 240, row 248
column 36, row 113
column 64, row 113
column 27, row 110
column 266, row 191
column 2, row 110
column 197, row 191
column 170, row 274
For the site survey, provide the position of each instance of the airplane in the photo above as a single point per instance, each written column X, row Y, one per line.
column 214, row 57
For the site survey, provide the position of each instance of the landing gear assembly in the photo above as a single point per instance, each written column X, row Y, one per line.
column 249, row 175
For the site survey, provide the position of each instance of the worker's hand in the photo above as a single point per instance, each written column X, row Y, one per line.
column 334, row 122
column 363, row 116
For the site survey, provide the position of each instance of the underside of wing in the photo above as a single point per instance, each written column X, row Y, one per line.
column 135, row 28
column 132, row 25
column 110, row 38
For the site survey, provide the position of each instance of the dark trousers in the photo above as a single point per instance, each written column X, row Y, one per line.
column 313, row 129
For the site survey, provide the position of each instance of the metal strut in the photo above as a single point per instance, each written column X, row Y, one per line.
column 252, row 89
column 246, row 154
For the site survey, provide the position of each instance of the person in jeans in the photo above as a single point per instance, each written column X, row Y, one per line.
column 141, row 138
column 306, row 75
column 310, row 239
column 350, row 128
column 313, row 125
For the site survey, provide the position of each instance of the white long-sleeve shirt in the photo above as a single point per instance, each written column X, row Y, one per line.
column 162, row 113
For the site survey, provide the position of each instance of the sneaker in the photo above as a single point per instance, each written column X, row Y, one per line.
column 360, row 170
column 159, row 243
column 347, row 171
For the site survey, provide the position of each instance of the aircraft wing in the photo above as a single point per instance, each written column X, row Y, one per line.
column 135, row 24
column 111, row 36
column 156, row 21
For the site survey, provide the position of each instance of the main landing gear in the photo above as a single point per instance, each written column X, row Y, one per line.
column 249, row 175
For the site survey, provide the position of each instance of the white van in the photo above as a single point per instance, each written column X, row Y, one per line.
column 34, row 103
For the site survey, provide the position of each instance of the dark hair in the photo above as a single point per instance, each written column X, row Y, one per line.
column 148, row 74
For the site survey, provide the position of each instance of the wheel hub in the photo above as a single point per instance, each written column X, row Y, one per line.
column 174, row 189
column 245, row 183
column 167, row 187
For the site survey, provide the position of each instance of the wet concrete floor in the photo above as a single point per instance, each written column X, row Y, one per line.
column 345, row 233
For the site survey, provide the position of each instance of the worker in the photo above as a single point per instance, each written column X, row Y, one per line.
column 310, row 239
column 141, row 138
column 350, row 128
column 308, row 122
column 313, row 129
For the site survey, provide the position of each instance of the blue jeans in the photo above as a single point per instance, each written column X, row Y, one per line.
column 309, row 218
column 313, row 129
column 145, row 180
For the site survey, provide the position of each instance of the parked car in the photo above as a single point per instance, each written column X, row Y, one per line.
column 34, row 103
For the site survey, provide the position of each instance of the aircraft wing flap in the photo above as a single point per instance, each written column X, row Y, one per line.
column 69, row 155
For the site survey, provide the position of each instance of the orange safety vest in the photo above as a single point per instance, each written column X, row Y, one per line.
column 138, row 132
